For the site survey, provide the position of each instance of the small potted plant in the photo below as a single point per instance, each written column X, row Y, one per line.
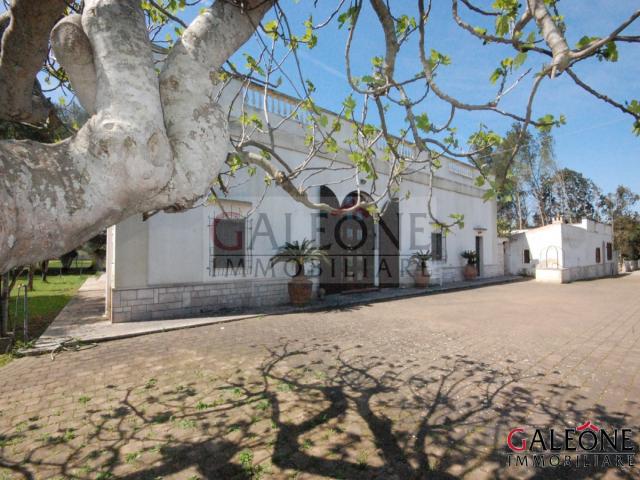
column 470, row 272
column 421, row 276
column 299, row 254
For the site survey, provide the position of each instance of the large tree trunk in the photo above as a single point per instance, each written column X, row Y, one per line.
column 30, row 273
column 24, row 49
column 44, row 270
column 149, row 145
column 4, row 304
column 519, row 210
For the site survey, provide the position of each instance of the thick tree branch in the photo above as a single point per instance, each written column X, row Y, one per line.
column 73, row 52
column 196, row 125
column 57, row 196
column 25, row 44
column 390, row 39
column 552, row 35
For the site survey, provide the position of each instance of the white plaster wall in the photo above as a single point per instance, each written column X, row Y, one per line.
column 543, row 243
column 176, row 252
column 580, row 245
column 130, row 253
column 479, row 219
column 172, row 249
column 571, row 246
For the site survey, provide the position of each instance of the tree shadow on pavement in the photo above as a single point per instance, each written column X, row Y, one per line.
column 316, row 410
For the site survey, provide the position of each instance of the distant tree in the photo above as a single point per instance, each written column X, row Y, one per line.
column 510, row 174
column 627, row 237
column 576, row 195
column 619, row 203
column 537, row 168
column 618, row 208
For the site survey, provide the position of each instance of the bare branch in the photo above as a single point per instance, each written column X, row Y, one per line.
column 601, row 96
column 594, row 46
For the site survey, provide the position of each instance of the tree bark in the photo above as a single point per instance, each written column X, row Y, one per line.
column 4, row 304
column 24, row 48
column 44, row 270
column 150, row 144
column 73, row 50
column 30, row 273
column 196, row 125
column 519, row 210
column 552, row 35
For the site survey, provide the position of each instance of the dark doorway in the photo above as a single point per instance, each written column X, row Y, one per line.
column 330, row 273
column 389, row 246
column 355, row 237
column 349, row 240
column 479, row 255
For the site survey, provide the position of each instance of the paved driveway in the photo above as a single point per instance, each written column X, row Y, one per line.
column 419, row 388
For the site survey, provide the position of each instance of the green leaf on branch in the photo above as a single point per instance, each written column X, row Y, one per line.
column 502, row 25
column 438, row 58
column 422, row 122
column 271, row 28
column 347, row 17
column 349, row 105
column 252, row 64
column 458, row 219
column 403, row 24
column 548, row 121
column 310, row 38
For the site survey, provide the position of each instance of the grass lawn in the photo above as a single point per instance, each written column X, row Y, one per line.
column 45, row 302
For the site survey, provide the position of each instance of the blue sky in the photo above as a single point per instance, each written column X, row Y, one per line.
column 597, row 139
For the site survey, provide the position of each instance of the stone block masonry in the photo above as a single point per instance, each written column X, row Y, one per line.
column 166, row 302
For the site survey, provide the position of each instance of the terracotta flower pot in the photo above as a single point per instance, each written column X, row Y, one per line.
column 422, row 278
column 469, row 272
column 300, row 290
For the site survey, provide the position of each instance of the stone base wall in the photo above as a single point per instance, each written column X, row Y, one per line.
column 453, row 274
column 572, row 274
column 156, row 303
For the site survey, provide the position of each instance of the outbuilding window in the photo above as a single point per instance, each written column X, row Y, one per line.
column 526, row 256
column 598, row 255
column 609, row 251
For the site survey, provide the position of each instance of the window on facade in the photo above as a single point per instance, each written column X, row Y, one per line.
column 229, row 242
column 526, row 256
column 436, row 246
column 598, row 255
column 609, row 251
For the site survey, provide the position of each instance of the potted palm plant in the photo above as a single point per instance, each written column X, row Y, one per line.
column 422, row 275
column 470, row 272
column 299, row 254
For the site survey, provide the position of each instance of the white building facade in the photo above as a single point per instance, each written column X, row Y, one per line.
column 216, row 256
column 563, row 252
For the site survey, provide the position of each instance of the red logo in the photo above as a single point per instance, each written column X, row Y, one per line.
column 586, row 425
column 523, row 444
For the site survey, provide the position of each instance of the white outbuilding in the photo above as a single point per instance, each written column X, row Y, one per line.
column 563, row 252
